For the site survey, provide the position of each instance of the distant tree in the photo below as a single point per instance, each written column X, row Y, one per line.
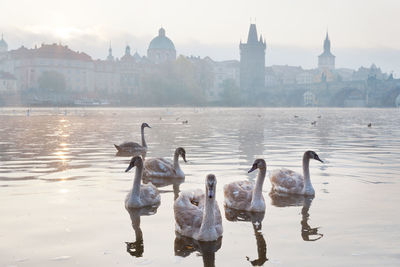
column 52, row 81
column 231, row 94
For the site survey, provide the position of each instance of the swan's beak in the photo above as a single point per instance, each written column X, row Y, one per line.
column 252, row 168
column 148, row 126
column 184, row 158
column 211, row 193
column 317, row 158
column 129, row 167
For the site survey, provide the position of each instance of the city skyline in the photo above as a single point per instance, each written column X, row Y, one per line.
column 294, row 32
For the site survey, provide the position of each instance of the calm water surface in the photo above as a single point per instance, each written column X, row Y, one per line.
column 62, row 187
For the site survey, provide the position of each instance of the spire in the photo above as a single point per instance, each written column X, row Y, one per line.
column 110, row 56
column 161, row 32
column 127, row 50
column 327, row 43
column 252, row 37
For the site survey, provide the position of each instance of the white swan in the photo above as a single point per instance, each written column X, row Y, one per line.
column 164, row 168
column 197, row 215
column 290, row 182
column 245, row 195
column 133, row 147
column 140, row 195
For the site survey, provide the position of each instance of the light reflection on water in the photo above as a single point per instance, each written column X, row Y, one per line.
column 62, row 186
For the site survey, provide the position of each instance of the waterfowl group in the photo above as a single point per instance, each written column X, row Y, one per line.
column 197, row 214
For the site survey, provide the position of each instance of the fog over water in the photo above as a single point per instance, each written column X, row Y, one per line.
column 294, row 30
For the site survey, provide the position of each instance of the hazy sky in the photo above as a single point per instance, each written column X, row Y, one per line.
column 362, row 31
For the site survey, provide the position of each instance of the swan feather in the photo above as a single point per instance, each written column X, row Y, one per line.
column 287, row 181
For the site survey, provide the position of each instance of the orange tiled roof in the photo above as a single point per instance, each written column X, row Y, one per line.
column 50, row 51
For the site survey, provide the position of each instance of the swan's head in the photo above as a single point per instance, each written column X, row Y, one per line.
column 181, row 151
column 211, row 183
column 312, row 155
column 258, row 164
column 144, row 125
column 135, row 162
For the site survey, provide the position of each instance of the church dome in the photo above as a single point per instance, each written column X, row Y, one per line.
column 161, row 42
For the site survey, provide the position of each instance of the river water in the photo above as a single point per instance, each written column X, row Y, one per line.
column 62, row 187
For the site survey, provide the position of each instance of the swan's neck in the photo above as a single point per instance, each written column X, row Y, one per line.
column 208, row 215
column 136, row 183
column 257, row 193
column 176, row 162
column 308, row 188
column 143, row 141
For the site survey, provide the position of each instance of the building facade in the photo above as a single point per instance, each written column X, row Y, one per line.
column 8, row 83
column 252, row 62
column 27, row 65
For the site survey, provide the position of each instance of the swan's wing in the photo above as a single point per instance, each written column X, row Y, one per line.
column 188, row 209
column 149, row 194
column 287, row 181
column 131, row 145
column 218, row 219
column 238, row 194
column 157, row 165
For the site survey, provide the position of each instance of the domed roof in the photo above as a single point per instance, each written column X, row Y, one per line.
column 161, row 42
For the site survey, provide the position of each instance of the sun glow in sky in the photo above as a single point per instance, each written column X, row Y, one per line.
column 362, row 31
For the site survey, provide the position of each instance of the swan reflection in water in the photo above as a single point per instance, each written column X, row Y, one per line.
column 284, row 200
column 184, row 246
column 136, row 248
column 256, row 219
column 162, row 182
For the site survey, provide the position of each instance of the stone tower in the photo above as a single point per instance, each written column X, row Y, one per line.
column 326, row 61
column 252, row 63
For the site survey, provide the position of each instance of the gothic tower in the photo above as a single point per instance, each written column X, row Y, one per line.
column 326, row 61
column 252, row 62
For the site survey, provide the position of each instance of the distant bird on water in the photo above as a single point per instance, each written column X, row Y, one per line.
column 369, row 125
column 314, row 123
column 185, row 122
column 296, row 116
